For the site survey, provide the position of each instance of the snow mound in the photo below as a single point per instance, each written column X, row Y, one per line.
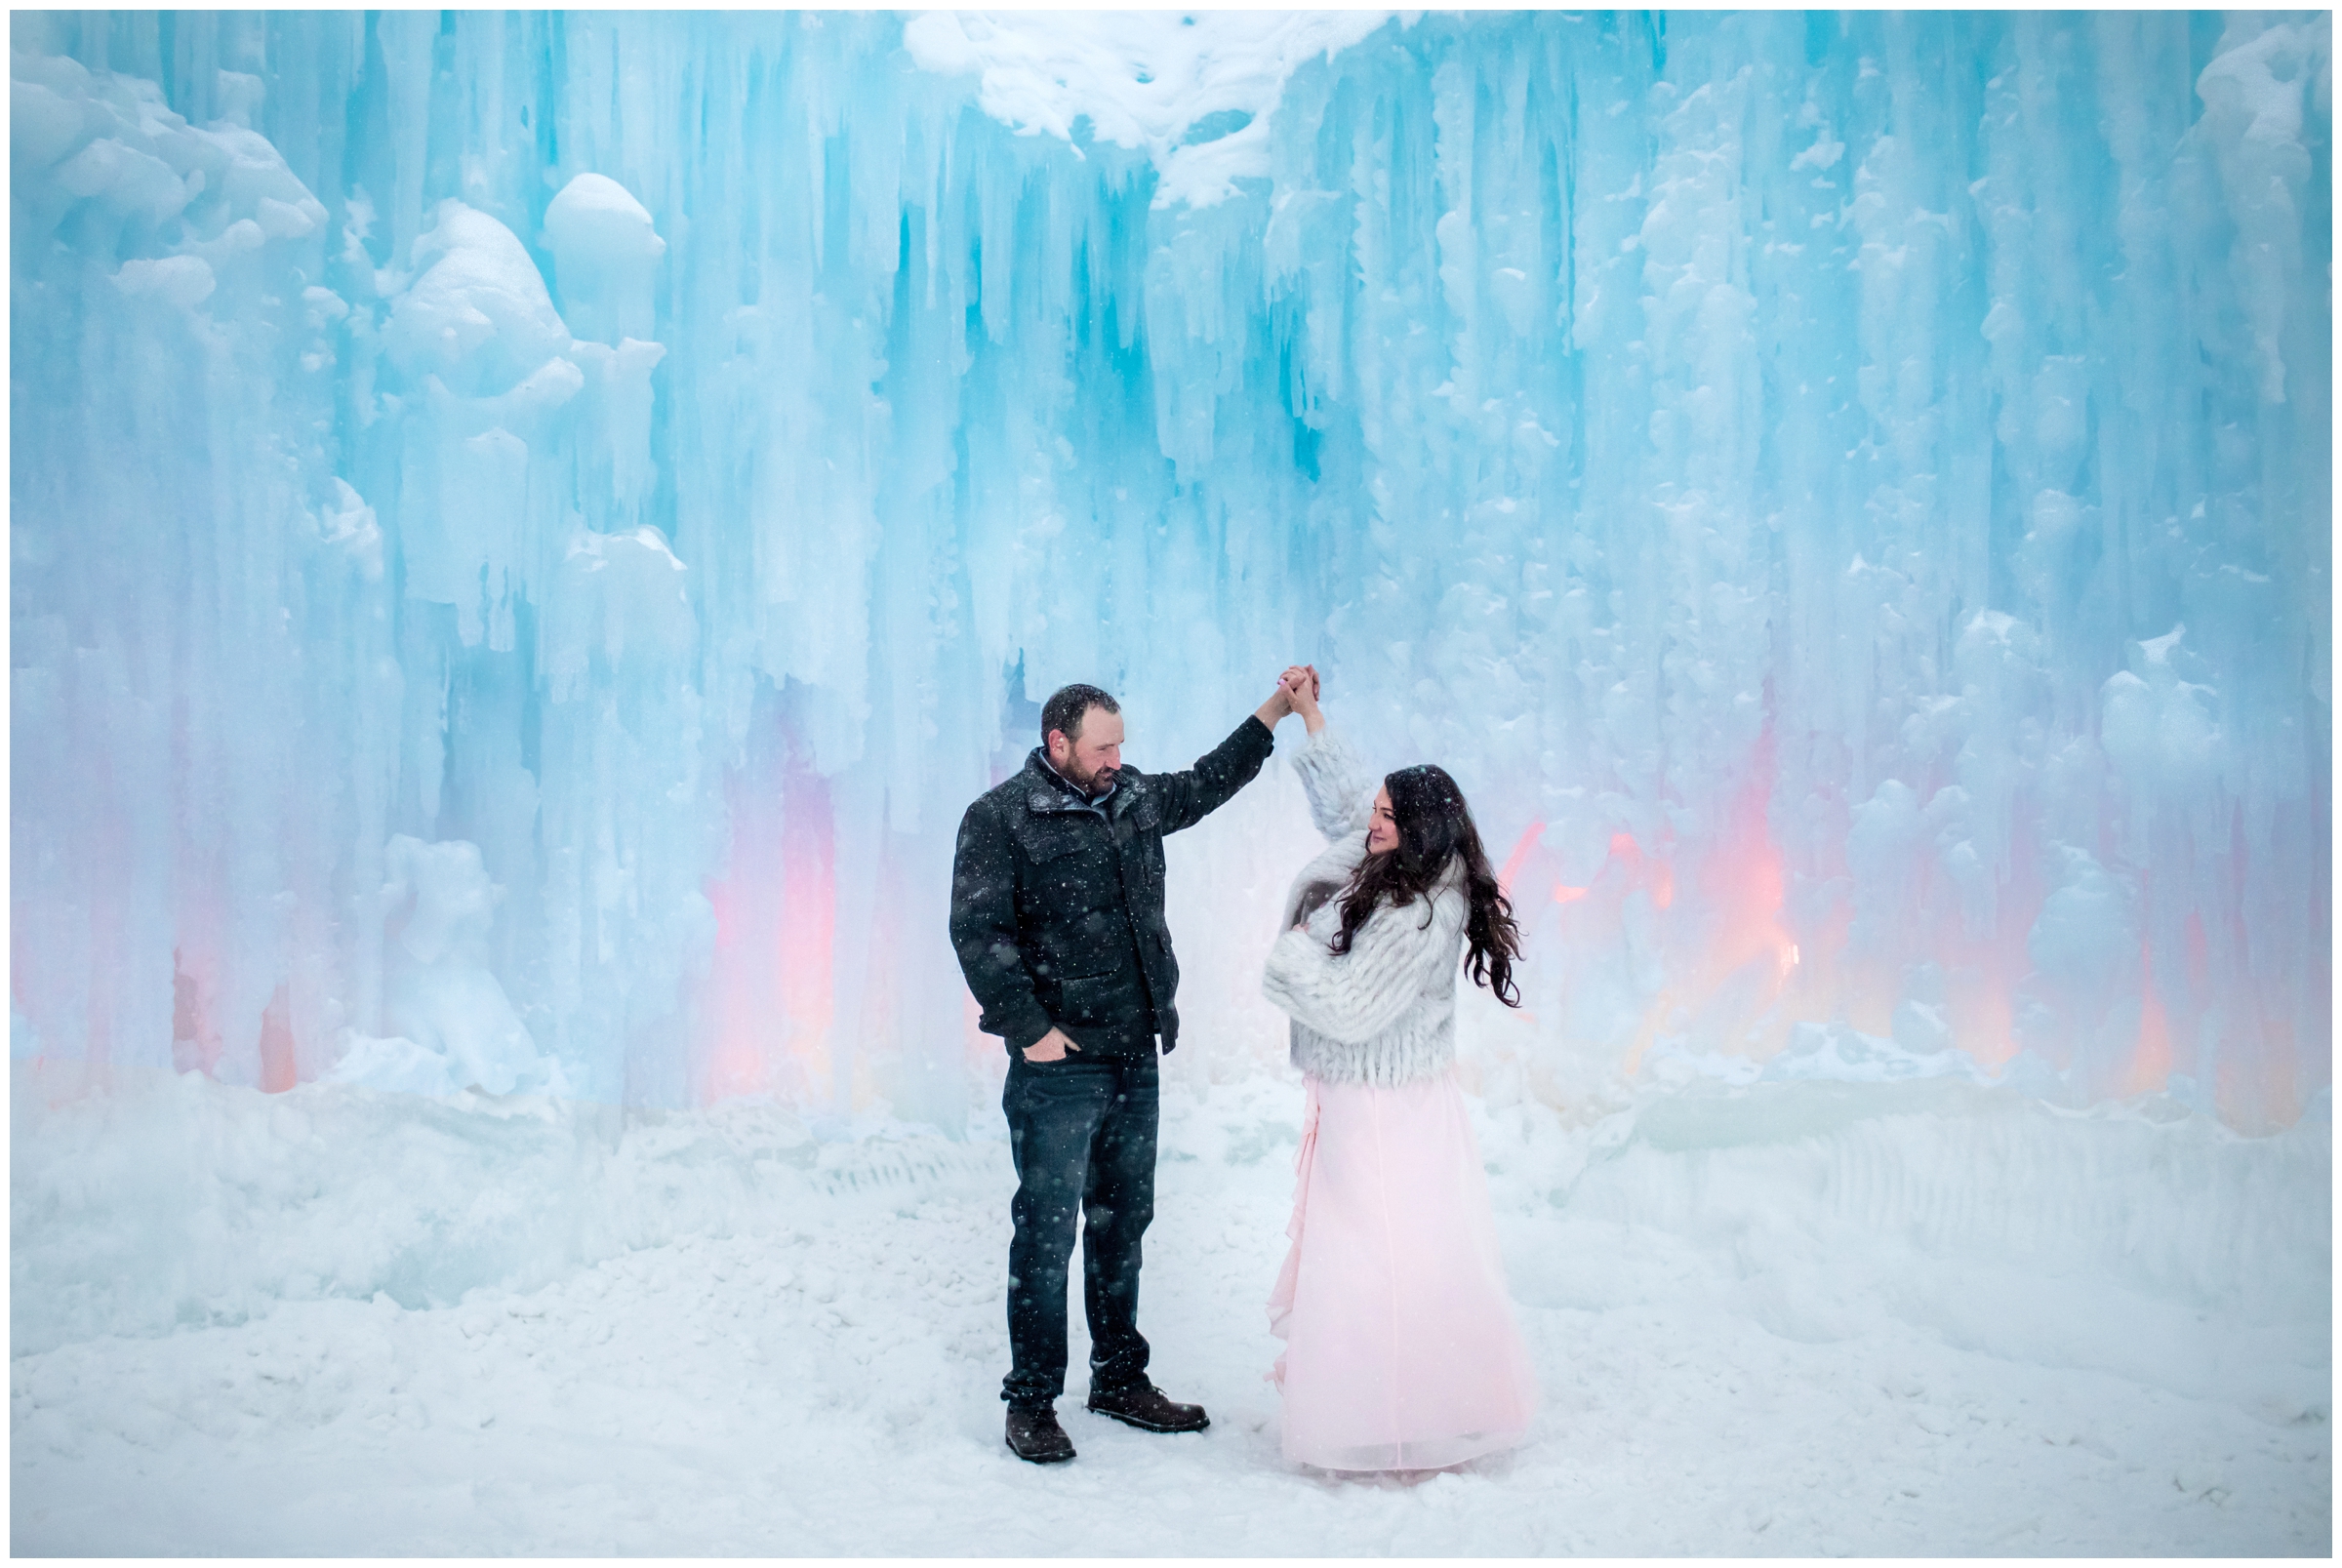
column 477, row 316
column 1195, row 91
column 606, row 253
column 594, row 217
column 1904, row 1179
column 440, row 996
column 106, row 151
column 169, row 1202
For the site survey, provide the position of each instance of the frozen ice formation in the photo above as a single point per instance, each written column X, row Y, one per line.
column 476, row 316
column 1195, row 91
column 1848, row 497
column 439, row 994
column 608, row 255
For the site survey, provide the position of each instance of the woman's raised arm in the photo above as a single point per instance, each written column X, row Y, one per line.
column 1341, row 792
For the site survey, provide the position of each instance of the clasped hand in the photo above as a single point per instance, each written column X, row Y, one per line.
column 1296, row 693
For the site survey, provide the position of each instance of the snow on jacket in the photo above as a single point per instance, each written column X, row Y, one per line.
column 1385, row 1012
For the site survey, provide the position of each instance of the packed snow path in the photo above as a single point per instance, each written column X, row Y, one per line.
column 1805, row 1322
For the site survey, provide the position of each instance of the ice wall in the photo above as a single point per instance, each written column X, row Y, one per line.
column 1848, row 497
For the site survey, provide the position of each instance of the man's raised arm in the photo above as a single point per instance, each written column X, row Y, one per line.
column 1191, row 796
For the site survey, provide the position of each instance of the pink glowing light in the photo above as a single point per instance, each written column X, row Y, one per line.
column 771, row 984
column 808, row 923
column 1521, row 853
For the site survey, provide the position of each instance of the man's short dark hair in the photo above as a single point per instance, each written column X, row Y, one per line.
column 1067, row 707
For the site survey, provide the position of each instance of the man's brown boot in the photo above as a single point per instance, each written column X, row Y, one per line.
column 1036, row 1436
column 1142, row 1405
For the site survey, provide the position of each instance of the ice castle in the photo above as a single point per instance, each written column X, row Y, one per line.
column 528, row 528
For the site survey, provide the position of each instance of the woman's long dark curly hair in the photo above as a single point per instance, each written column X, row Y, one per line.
column 1434, row 826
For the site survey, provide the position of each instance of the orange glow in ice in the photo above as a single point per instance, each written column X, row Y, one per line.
column 195, row 1042
column 1655, row 877
column 1521, row 853
column 2151, row 1062
column 1984, row 1020
column 278, row 1060
column 1740, row 967
column 1742, row 878
column 1743, row 885
column 1732, row 971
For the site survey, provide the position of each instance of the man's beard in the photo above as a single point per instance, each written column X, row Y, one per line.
column 1095, row 783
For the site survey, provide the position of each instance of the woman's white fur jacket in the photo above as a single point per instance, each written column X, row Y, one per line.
column 1385, row 1012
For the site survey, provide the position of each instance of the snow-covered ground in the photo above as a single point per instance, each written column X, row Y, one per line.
column 1820, row 1317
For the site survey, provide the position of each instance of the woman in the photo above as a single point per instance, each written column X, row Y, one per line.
column 1401, row 1348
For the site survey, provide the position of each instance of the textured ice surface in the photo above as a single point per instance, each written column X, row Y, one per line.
column 1807, row 1318
column 1848, row 497
column 1194, row 92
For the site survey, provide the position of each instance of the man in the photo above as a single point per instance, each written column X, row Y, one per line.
column 1057, row 914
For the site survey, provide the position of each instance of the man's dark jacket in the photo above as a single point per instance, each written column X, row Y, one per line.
column 1056, row 911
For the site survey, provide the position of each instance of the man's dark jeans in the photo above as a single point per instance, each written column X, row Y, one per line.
column 1082, row 1134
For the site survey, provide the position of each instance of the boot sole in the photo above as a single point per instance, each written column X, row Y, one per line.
column 1145, row 1425
column 1039, row 1459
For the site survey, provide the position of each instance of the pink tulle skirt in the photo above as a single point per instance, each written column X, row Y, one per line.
column 1401, row 1348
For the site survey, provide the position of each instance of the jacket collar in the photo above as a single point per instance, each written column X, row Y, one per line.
column 1049, row 791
